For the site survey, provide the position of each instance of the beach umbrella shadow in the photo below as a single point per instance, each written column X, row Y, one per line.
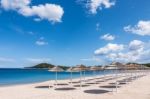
column 96, row 91
column 81, row 85
column 65, row 89
column 110, row 86
column 43, row 87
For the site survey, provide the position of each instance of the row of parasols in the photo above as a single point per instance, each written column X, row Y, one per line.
column 82, row 69
column 78, row 68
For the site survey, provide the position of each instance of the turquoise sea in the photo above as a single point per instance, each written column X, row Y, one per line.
column 23, row 76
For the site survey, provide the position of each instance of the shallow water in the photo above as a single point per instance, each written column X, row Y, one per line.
column 23, row 76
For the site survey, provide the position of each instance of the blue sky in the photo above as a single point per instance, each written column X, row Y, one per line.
column 75, row 32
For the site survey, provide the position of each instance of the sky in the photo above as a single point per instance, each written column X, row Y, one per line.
column 90, row 32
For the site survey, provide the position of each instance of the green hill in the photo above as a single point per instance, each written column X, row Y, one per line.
column 46, row 66
column 148, row 64
column 42, row 65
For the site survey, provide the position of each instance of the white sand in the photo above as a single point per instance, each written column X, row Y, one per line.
column 138, row 89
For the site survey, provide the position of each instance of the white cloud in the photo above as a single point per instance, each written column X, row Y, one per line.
column 41, row 41
column 122, row 57
column 97, row 26
column 109, row 48
column 142, row 28
column 50, row 12
column 94, row 5
column 31, row 33
column 6, row 60
column 136, row 45
column 145, row 56
column 14, row 4
column 135, row 51
column 108, row 37
column 37, row 19
column 38, row 60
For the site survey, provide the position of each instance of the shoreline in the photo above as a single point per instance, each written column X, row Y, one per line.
column 41, row 91
column 21, row 81
column 53, row 80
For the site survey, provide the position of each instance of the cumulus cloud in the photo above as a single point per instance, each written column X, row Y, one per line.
column 38, row 60
column 50, row 12
column 94, row 5
column 136, row 45
column 109, row 48
column 144, row 56
column 122, row 57
column 41, row 41
column 108, row 37
column 142, row 28
column 14, row 4
column 135, row 51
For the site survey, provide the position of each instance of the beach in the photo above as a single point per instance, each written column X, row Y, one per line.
column 75, row 49
column 139, row 89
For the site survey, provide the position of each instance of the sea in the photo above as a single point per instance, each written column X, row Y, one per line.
column 25, row 76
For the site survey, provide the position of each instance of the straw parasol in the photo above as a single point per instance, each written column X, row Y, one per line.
column 80, row 68
column 135, row 67
column 94, row 68
column 56, row 69
column 131, row 66
column 71, row 69
column 103, row 70
column 115, row 65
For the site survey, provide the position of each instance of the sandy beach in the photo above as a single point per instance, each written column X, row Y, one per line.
column 75, row 49
column 139, row 89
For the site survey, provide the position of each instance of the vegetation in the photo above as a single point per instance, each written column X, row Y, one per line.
column 64, row 67
column 42, row 65
column 133, row 63
column 148, row 64
column 47, row 65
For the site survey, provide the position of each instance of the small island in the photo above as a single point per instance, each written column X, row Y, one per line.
column 49, row 66
column 46, row 66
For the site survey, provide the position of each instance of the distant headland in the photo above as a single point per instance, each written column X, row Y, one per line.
column 48, row 65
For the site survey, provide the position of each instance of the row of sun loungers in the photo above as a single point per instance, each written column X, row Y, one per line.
column 110, row 83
